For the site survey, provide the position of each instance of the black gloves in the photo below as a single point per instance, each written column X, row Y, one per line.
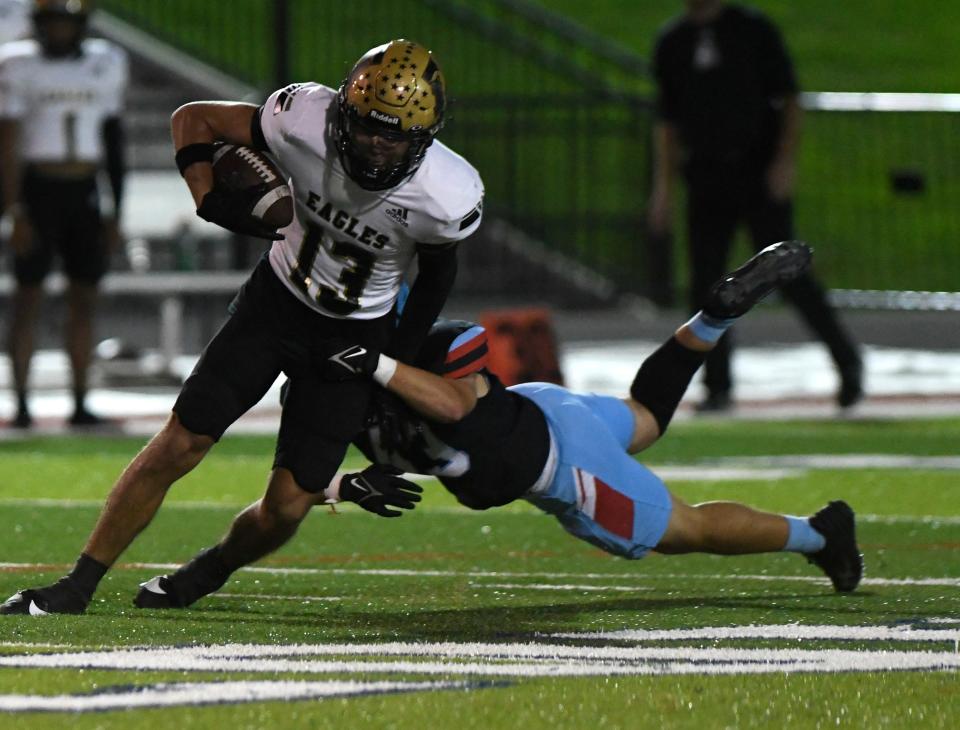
column 374, row 490
column 352, row 361
column 231, row 210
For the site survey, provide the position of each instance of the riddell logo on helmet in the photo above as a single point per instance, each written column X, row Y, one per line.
column 385, row 118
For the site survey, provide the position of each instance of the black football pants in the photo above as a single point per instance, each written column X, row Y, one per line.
column 713, row 212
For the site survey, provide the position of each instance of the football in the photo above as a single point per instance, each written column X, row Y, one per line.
column 238, row 168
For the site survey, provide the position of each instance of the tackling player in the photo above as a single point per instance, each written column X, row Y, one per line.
column 373, row 190
column 61, row 97
column 568, row 454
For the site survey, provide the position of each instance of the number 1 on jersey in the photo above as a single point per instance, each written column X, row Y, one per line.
column 300, row 274
column 70, row 136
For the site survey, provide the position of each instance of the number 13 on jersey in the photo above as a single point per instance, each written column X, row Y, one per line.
column 357, row 265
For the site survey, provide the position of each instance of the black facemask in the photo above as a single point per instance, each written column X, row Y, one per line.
column 59, row 44
column 355, row 162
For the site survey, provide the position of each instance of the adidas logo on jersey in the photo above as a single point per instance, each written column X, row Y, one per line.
column 398, row 214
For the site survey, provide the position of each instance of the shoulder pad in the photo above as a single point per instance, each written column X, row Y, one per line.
column 452, row 185
column 19, row 49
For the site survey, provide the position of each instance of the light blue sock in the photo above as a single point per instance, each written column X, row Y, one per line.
column 707, row 328
column 803, row 538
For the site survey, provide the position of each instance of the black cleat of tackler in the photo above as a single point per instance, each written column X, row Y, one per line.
column 737, row 292
column 840, row 558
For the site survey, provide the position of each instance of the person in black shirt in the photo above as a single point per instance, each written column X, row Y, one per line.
column 729, row 117
column 566, row 453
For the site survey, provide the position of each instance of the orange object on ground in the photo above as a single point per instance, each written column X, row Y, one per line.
column 523, row 346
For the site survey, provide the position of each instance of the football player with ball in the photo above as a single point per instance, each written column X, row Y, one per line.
column 371, row 191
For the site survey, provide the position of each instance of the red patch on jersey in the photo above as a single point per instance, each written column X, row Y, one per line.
column 614, row 511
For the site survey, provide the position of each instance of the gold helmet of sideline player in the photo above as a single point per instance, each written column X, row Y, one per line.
column 60, row 25
column 391, row 107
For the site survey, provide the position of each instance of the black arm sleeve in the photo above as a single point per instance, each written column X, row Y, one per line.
column 116, row 163
column 256, row 132
column 438, row 271
column 663, row 378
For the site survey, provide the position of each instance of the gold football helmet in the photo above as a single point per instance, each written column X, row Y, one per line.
column 395, row 92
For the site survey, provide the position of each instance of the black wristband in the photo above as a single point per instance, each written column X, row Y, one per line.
column 191, row 153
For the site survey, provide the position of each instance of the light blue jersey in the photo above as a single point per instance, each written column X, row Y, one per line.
column 596, row 490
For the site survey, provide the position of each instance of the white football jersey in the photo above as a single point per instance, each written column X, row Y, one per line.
column 14, row 20
column 347, row 249
column 62, row 102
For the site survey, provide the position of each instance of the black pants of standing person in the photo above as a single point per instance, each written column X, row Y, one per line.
column 714, row 209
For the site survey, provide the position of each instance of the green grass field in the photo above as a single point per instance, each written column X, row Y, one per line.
column 355, row 598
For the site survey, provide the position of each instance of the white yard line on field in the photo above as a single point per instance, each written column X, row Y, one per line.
column 837, row 461
column 605, row 656
column 788, row 632
column 194, row 694
column 534, row 649
column 560, row 587
column 478, row 659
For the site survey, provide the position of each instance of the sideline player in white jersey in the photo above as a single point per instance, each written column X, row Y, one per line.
column 61, row 97
column 373, row 190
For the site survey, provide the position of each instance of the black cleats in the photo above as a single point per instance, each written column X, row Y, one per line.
column 851, row 385
column 157, row 593
column 203, row 575
column 737, row 292
column 62, row 597
column 23, row 419
column 715, row 403
column 840, row 558
column 82, row 418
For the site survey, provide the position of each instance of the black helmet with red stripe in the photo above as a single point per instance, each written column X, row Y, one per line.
column 454, row 348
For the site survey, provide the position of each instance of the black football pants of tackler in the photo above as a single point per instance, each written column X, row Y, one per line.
column 714, row 210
